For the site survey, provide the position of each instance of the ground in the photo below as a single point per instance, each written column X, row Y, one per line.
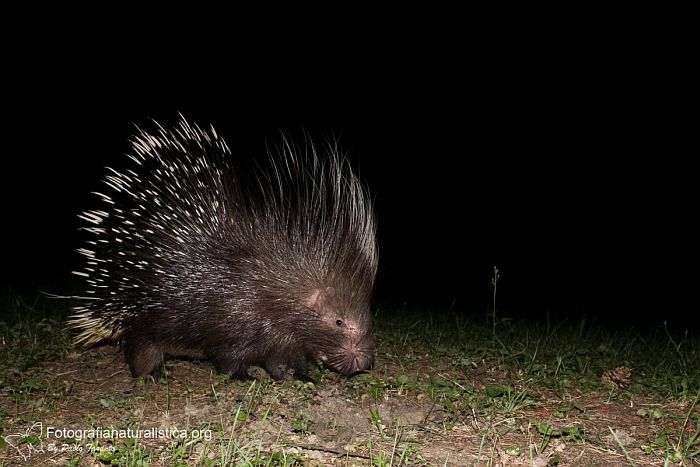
column 413, row 412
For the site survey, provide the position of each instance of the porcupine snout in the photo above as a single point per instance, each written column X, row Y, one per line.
column 355, row 353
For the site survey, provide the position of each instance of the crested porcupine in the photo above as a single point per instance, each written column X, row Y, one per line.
column 191, row 257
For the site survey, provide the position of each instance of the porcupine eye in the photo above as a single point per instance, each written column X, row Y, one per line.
column 339, row 322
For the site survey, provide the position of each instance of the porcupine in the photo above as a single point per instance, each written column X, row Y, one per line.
column 190, row 257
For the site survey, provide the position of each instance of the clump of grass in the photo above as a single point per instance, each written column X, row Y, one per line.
column 554, row 356
column 32, row 331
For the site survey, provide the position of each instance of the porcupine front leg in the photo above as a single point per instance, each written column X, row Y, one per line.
column 278, row 365
column 228, row 363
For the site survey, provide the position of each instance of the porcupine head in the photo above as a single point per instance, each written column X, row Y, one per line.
column 189, row 255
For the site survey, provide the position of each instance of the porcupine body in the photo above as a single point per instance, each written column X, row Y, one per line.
column 190, row 257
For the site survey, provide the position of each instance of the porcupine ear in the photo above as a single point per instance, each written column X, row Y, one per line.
column 319, row 298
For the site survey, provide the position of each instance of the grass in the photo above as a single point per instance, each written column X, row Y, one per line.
column 447, row 387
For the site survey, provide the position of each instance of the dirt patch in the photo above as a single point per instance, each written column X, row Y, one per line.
column 414, row 415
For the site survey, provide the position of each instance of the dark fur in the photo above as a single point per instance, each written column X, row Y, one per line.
column 276, row 270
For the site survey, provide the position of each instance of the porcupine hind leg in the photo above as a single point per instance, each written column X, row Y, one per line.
column 143, row 356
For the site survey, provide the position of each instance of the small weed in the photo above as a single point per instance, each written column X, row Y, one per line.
column 301, row 424
column 126, row 453
column 494, row 283
column 378, row 423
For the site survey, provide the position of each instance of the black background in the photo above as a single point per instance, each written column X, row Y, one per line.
column 566, row 163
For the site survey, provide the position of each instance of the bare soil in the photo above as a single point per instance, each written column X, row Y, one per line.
column 337, row 421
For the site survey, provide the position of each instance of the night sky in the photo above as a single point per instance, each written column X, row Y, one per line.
column 573, row 178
